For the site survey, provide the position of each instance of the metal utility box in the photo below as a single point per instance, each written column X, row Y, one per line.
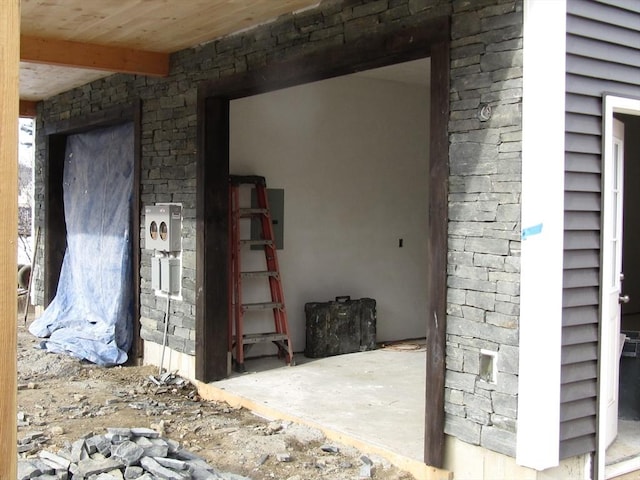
column 163, row 225
column 170, row 276
column 155, row 273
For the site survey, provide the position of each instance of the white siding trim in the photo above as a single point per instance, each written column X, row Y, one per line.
column 543, row 129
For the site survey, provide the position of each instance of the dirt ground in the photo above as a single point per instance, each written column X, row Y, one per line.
column 67, row 399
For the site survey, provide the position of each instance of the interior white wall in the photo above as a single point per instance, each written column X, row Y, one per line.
column 351, row 154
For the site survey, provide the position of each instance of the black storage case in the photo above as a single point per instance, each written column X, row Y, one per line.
column 341, row 326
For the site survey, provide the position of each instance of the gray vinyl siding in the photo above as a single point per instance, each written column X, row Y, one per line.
column 603, row 56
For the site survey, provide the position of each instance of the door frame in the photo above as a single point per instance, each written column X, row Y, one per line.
column 430, row 38
column 612, row 104
column 55, row 231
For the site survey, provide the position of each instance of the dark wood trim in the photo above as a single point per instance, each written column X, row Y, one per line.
column 212, row 226
column 368, row 52
column 55, row 231
column 437, row 247
column 102, row 118
column 428, row 39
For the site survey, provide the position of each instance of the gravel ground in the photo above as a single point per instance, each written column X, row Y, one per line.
column 67, row 399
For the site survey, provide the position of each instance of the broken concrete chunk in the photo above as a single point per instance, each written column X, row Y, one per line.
column 106, row 476
column 329, row 448
column 78, row 451
column 157, row 470
column 198, row 464
column 98, row 443
column 283, row 457
column 156, row 450
column 128, row 452
column 143, row 442
column 365, row 471
column 171, row 463
column 29, row 438
column 183, row 454
column 144, row 432
column 124, row 432
column 43, row 467
column 26, row 470
column 201, row 474
column 133, row 473
column 87, row 467
column 61, row 462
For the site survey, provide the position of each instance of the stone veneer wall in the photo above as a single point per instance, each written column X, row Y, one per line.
column 483, row 278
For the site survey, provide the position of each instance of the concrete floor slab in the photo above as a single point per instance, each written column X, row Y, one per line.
column 375, row 398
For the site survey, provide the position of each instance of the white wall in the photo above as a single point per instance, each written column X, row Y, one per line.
column 352, row 157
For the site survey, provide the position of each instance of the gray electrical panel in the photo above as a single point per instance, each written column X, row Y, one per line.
column 163, row 225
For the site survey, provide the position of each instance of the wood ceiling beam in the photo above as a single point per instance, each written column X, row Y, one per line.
column 88, row 55
column 28, row 109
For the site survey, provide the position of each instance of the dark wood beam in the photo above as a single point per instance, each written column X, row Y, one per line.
column 212, row 240
column 92, row 56
column 437, row 260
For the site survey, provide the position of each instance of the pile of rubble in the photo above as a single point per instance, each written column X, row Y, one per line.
column 120, row 454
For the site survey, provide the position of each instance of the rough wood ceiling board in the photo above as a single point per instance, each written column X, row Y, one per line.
column 154, row 25
column 163, row 26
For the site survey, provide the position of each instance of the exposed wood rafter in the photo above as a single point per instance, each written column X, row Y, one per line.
column 28, row 109
column 92, row 56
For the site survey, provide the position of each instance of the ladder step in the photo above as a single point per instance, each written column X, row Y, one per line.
column 261, row 306
column 263, row 337
column 247, row 179
column 260, row 274
column 250, row 212
column 256, row 242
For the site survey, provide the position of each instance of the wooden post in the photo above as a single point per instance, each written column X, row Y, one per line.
column 9, row 101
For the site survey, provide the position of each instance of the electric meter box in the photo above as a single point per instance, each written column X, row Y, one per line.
column 163, row 225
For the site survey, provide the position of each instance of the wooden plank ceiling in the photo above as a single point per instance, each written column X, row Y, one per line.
column 67, row 43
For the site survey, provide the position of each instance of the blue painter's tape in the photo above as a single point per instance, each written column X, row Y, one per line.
column 529, row 231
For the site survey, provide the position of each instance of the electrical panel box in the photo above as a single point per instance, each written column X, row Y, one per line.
column 170, row 276
column 163, row 225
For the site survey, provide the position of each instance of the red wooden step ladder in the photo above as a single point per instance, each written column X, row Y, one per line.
column 240, row 342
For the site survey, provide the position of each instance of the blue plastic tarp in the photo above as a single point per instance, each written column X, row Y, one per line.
column 92, row 313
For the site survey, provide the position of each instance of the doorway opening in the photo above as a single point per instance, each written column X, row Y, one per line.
column 55, row 240
column 212, row 246
column 619, row 412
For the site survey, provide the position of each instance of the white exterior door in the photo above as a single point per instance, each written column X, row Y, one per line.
column 612, row 279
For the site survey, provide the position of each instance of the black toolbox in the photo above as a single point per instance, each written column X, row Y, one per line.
column 340, row 326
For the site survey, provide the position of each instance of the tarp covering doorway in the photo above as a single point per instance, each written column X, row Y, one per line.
column 91, row 315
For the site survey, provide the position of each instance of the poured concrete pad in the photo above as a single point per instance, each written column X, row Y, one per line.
column 374, row 398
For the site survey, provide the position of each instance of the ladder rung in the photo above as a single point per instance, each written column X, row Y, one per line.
column 249, row 212
column 260, row 274
column 263, row 337
column 247, row 179
column 256, row 242
column 261, row 306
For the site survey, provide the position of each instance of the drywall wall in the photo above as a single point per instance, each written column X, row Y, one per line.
column 351, row 154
